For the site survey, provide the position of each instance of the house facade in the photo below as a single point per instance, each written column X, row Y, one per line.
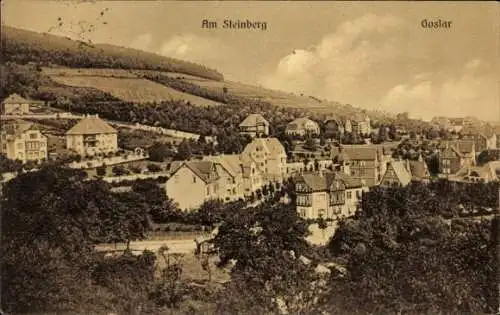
column 16, row 105
column 333, row 128
column 489, row 172
column 22, row 141
column 453, row 155
column 254, row 125
column 91, row 136
column 366, row 164
column 484, row 137
column 269, row 157
column 328, row 195
column 192, row 183
column 247, row 177
column 302, row 127
column 364, row 126
column 401, row 173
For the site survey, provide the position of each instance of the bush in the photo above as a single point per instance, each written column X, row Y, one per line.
column 101, row 171
column 119, row 170
column 135, row 169
column 154, row 168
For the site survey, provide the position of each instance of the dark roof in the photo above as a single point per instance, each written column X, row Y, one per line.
column 322, row 182
column 463, row 146
column 357, row 153
column 418, row 169
column 205, row 170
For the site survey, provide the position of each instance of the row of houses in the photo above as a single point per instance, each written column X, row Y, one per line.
column 256, row 125
column 25, row 142
column 227, row 177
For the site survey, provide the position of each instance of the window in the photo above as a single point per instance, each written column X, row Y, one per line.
column 20, row 145
column 208, row 190
column 358, row 194
column 33, row 135
column 362, row 163
column 302, row 213
column 194, row 179
column 349, row 195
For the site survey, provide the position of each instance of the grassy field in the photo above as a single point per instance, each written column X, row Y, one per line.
column 132, row 89
column 73, row 72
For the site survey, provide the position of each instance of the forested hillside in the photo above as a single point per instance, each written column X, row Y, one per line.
column 22, row 46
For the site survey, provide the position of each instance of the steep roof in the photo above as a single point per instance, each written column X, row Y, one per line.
column 357, row 153
column 488, row 172
column 322, row 182
column 402, row 173
column 462, row 146
column 14, row 99
column 16, row 128
column 418, row 169
column 205, row 170
column 91, row 125
column 230, row 162
column 253, row 120
column 270, row 145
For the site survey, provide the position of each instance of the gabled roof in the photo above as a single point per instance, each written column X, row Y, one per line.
column 300, row 123
column 322, row 182
column 357, row 153
column 230, row 162
column 488, row 172
column 205, row 170
column 486, row 131
column 17, row 99
column 91, row 125
column 402, row 173
column 270, row 145
column 418, row 169
column 450, row 152
column 253, row 120
column 462, row 146
column 17, row 128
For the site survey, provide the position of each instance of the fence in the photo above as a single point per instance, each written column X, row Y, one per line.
column 115, row 179
column 108, row 161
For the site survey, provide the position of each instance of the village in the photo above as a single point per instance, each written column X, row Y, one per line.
column 329, row 178
column 343, row 159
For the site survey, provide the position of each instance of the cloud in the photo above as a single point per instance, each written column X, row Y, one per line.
column 331, row 68
column 142, row 42
column 369, row 62
column 206, row 50
column 474, row 94
column 473, row 64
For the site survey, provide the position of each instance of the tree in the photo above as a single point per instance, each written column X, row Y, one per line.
column 101, row 171
column 400, row 232
column 51, row 229
column 266, row 243
column 168, row 289
column 184, row 151
column 310, row 144
column 119, row 170
column 159, row 151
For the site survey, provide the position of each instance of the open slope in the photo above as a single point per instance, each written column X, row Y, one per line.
column 123, row 85
column 23, row 46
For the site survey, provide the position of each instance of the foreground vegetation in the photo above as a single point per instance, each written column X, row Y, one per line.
column 400, row 254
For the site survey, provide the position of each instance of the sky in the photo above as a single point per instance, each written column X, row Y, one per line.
column 374, row 55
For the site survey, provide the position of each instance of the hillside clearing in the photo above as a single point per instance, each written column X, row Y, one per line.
column 132, row 89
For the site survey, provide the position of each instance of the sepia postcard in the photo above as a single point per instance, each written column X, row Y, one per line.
column 249, row 157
